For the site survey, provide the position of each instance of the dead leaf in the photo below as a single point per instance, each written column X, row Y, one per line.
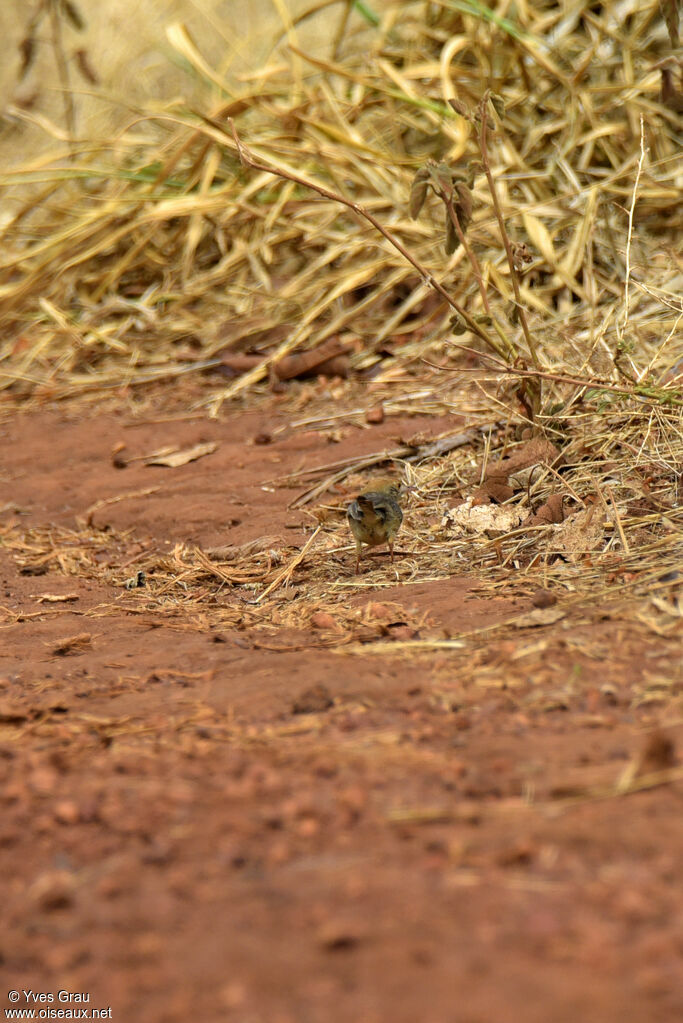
column 56, row 598
column 492, row 491
column 178, row 458
column 501, row 478
column 550, row 513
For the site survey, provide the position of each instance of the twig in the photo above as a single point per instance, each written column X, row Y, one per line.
column 476, row 269
column 253, row 376
column 617, row 519
column 248, row 160
column 638, row 391
column 406, row 453
column 86, row 518
column 627, row 299
column 288, row 569
column 503, row 231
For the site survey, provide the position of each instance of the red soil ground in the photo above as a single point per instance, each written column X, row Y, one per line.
column 427, row 843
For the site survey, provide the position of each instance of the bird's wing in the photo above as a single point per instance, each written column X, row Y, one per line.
column 375, row 504
column 354, row 511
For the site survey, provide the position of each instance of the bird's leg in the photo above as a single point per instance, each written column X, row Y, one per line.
column 391, row 550
column 359, row 548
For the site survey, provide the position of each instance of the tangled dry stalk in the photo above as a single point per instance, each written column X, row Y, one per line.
column 157, row 255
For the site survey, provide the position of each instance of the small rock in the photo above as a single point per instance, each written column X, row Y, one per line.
column 308, row 827
column 400, row 632
column 233, row 995
column 67, row 812
column 543, row 598
column 593, row 700
column 377, row 610
column 43, row 780
column 53, row 890
column 119, row 460
column 609, row 694
column 519, row 854
column 12, row 714
column 313, row 700
column 339, row 935
column 659, row 752
column 322, row 620
column 375, row 415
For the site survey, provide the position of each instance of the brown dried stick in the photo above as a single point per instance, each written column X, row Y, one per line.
column 476, row 269
column 483, row 108
column 642, row 391
column 287, row 571
column 248, row 160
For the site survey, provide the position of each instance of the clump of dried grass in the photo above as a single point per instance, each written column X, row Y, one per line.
column 144, row 260
column 147, row 259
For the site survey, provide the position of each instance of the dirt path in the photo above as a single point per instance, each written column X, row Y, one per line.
column 192, row 830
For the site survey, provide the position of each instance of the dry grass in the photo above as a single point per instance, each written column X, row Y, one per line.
column 148, row 259
column 161, row 233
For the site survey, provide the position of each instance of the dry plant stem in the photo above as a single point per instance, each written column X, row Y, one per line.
column 627, row 273
column 474, row 263
column 340, row 34
column 248, row 160
column 63, row 70
column 503, row 232
column 617, row 519
column 288, row 569
column 656, row 394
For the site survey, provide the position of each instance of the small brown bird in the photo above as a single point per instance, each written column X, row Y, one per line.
column 375, row 517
